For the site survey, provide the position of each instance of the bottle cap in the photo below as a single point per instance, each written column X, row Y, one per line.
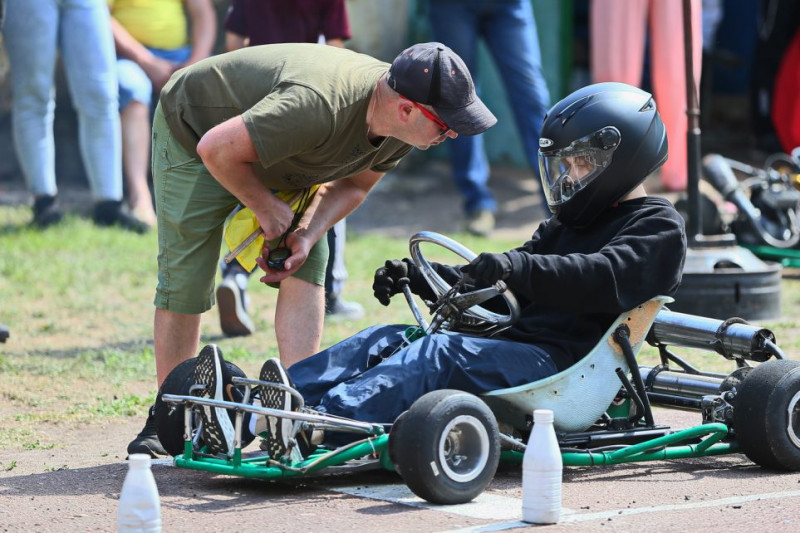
column 139, row 460
column 544, row 416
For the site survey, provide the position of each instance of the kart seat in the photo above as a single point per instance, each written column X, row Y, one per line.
column 579, row 395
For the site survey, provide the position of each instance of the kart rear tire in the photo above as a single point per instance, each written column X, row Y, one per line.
column 766, row 415
column 169, row 421
column 447, row 447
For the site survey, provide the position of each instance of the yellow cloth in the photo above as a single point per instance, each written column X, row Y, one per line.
column 241, row 225
column 154, row 23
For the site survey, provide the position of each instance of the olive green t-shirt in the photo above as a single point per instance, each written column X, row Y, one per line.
column 304, row 106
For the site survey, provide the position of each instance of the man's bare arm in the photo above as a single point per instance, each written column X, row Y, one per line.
column 234, row 41
column 203, row 21
column 228, row 153
column 157, row 69
column 334, row 201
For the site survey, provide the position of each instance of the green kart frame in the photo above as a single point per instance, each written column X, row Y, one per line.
column 448, row 444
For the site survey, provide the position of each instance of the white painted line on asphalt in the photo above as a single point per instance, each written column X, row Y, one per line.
column 163, row 461
column 487, row 506
column 733, row 500
column 488, row 528
column 570, row 517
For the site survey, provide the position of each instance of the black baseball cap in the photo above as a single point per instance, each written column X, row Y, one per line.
column 432, row 74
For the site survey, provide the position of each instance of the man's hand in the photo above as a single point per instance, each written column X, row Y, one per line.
column 299, row 246
column 274, row 216
column 390, row 278
column 489, row 267
column 158, row 70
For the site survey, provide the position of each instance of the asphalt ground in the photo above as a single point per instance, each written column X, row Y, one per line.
column 723, row 493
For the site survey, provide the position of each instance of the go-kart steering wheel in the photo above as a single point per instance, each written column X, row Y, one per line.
column 459, row 311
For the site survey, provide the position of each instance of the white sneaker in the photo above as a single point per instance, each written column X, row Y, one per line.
column 232, row 303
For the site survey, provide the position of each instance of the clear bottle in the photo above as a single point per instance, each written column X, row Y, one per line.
column 541, row 472
column 139, row 509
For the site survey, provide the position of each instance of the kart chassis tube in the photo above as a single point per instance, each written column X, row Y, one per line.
column 660, row 448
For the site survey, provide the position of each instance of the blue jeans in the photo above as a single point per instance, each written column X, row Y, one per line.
column 357, row 379
column 509, row 31
column 34, row 33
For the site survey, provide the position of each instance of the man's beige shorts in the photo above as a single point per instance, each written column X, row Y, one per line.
column 192, row 208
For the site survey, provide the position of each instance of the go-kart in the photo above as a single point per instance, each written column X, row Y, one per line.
column 448, row 444
column 766, row 219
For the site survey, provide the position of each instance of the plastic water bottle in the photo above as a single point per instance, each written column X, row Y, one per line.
column 541, row 472
column 139, row 508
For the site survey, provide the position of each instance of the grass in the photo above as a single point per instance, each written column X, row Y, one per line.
column 78, row 301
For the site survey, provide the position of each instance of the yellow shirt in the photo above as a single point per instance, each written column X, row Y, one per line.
column 154, row 23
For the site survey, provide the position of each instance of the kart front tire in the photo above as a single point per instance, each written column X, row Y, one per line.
column 766, row 415
column 447, row 447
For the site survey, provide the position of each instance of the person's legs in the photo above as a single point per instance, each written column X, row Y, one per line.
column 89, row 64
column 233, row 301
column 135, row 93
column 336, row 274
column 87, row 50
column 30, row 37
column 192, row 207
column 617, row 32
column 316, row 375
column 135, row 120
column 136, row 97
column 313, row 377
column 669, row 82
column 176, row 339
column 455, row 23
column 511, row 35
column 299, row 315
column 440, row 361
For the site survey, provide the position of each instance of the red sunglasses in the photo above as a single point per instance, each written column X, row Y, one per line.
column 430, row 116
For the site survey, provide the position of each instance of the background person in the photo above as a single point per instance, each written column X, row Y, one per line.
column 34, row 35
column 152, row 41
column 617, row 34
column 508, row 29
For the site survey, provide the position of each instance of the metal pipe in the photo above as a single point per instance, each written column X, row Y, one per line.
column 695, row 214
column 176, row 399
column 729, row 338
column 677, row 402
column 680, row 383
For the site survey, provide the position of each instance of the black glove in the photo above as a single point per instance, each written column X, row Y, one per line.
column 489, row 267
column 390, row 278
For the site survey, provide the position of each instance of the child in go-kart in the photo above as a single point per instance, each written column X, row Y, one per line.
column 608, row 248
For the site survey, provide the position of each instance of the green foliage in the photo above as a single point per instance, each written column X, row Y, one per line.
column 37, row 445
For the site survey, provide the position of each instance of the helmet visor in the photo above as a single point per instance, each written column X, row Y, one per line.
column 566, row 171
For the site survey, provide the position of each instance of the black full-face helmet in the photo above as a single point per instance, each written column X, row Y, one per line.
column 597, row 145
